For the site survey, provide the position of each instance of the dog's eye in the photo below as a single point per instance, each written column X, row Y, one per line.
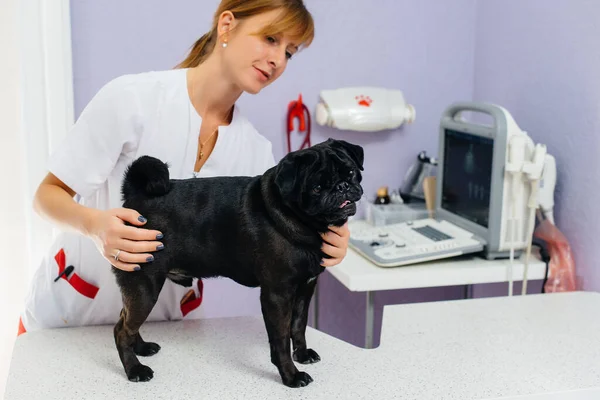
column 351, row 173
column 317, row 189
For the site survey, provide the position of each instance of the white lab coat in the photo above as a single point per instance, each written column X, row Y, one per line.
column 135, row 115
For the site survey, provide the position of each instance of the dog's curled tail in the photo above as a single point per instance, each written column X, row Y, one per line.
column 147, row 177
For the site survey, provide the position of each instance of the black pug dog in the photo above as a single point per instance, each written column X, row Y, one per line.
column 259, row 231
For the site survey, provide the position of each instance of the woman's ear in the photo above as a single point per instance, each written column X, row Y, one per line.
column 226, row 23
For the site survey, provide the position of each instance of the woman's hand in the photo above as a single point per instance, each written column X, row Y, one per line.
column 335, row 245
column 130, row 244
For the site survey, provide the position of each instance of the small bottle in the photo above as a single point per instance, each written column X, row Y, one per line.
column 382, row 196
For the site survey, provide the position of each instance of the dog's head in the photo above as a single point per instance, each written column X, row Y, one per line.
column 323, row 181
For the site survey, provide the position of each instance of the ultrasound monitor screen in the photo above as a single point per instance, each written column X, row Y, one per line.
column 467, row 177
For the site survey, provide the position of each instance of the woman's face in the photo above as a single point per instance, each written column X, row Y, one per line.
column 251, row 61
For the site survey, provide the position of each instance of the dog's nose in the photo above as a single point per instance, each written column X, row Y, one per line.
column 342, row 187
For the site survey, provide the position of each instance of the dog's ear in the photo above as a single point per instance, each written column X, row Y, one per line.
column 355, row 152
column 289, row 171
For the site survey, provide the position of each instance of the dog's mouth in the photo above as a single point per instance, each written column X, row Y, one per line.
column 345, row 203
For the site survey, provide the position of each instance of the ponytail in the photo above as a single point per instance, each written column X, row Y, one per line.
column 200, row 51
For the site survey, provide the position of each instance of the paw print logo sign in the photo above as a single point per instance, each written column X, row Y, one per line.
column 364, row 101
column 363, row 108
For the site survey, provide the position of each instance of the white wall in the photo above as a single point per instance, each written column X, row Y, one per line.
column 13, row 270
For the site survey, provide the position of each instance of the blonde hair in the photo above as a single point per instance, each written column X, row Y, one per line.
column 295, row 20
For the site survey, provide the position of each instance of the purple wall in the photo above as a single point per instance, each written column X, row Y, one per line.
column 534, row 59
column 401, row 44
column 541, row 60
column 424, row 48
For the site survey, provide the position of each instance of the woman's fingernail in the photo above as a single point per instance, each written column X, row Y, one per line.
column 137, row 268
column 150, row 259
column 160, row 247
column 159, row 236
column 141, row 219
column 322, row 262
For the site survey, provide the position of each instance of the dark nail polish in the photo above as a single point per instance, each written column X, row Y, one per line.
column 137, row 268
column 159, row 236
column 141, row 219
column 160, row 247
column 149, row 259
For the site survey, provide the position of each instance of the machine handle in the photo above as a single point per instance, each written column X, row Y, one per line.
column 495, row 111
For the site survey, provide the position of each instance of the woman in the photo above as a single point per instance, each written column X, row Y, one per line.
column 186, row 117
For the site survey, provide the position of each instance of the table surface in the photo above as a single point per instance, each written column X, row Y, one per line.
column 360, row 275
column 461, row 349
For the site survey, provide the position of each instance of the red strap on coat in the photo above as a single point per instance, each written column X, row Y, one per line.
column 191, row 305
column 21, row 329
column 83, row 287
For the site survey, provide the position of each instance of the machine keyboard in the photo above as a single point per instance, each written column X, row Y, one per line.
column 432, row 233
column 410, row 240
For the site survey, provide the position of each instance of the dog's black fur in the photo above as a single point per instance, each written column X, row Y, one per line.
column 259, row 231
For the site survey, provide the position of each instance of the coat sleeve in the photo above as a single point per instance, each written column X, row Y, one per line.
column 89, row 153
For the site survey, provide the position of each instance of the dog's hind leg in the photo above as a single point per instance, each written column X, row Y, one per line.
column 277, row 312
column 304, row 293
column 138, row 301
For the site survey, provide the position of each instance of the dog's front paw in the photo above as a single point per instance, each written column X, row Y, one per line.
column 306, row 356
column 146, row 349
column 140, row 373
column 300, row 379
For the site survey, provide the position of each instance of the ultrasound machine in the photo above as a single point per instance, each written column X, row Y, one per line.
column 486, row 194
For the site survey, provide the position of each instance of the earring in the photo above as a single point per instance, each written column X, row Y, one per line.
column 225, row 39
